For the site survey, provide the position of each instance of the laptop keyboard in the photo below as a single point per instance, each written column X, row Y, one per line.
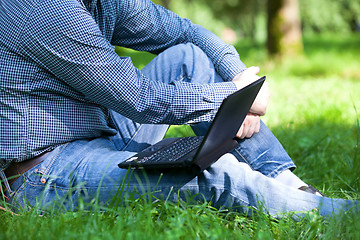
column 174, row 151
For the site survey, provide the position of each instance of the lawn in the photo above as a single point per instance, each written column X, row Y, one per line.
column 314, row 111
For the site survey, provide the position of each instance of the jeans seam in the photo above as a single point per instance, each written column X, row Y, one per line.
column 223, row 189
column 184, row 77
column 245, row 160
column 27, row 181
column 53, row 160
column 274, row 172
column 279, row 169
column 20, row 189
column 240, row 200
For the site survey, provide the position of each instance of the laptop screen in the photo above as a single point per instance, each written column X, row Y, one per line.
column 220, row 137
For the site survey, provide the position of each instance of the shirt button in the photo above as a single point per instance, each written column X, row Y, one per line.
column 43, row 180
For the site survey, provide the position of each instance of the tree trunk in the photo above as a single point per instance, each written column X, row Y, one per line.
column 284, row 36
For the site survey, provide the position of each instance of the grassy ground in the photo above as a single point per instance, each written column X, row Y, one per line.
column 314, row 112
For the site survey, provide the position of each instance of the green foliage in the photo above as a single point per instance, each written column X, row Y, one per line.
column 248, row 18
column 314, row 113
column 330, row 15
column 200, row 13
column 180, row 131
column 245, row 17
column 165, row 220
column 324, row 56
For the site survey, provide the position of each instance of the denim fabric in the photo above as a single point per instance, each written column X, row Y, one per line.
column 87, row 169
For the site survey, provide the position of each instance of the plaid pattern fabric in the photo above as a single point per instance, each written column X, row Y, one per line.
column 60, row 74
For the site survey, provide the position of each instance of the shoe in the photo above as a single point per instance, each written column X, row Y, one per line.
column 311, row 189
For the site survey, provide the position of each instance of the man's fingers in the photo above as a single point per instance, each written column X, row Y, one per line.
column 239, row 133
column 253, row 70
column 246, row 77
column 250, row 126
column 245, row 131
column 257, row 128
column 261, row 101
column 250, row 132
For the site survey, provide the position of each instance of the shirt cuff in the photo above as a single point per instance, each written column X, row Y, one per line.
column 215, row 93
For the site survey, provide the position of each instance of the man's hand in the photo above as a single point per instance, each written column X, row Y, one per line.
column 250, row 126
column 247, row 77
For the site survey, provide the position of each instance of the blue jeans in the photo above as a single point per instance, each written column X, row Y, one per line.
column 87, row 169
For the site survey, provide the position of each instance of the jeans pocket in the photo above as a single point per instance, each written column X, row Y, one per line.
column 39, row 174
column 29, row 186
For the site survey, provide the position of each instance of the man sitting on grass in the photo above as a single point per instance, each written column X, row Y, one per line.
column 71, row 109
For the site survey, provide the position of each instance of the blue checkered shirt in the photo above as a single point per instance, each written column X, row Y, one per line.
column 60, row 74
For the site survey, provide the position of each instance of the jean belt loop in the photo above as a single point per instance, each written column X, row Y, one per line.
column 6, row 183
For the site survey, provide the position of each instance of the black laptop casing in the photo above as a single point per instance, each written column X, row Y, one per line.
column 220, row 138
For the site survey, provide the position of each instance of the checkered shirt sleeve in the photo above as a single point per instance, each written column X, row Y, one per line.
column 60, row 74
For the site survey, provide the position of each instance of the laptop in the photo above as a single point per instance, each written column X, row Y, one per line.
column 199, row 152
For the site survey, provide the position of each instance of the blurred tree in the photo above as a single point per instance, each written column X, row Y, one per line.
column 350, row 9
column 320, row 16
column 284, row 36
column 238, row 15
column 275, row 21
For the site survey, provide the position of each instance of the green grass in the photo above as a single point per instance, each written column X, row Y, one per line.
column 314, row 111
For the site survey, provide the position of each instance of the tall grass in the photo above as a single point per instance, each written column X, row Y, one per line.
column 314, row 111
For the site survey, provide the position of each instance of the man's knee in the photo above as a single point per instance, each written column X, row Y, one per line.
column 228, row 168
column 187, row 48
column 192, row 64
